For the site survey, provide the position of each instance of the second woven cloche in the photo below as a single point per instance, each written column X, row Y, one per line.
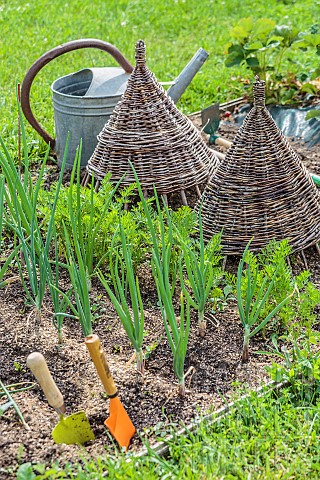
column 261, row 191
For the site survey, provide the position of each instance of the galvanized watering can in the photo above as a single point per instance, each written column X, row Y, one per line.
column 83, row 101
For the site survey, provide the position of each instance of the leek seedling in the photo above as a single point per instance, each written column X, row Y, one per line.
column 80, row 287
column 177, row 331
column 134, row 327
column 255, row 299
column 202, row 272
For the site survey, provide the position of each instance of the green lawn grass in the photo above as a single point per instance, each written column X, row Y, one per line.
column 173, row 31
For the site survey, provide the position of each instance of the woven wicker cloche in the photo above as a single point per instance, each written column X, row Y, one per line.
column 261, row 189
column 148, row 130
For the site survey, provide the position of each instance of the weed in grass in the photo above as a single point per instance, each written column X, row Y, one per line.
column 300, row 362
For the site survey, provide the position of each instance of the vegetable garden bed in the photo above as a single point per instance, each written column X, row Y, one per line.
column 213, row 364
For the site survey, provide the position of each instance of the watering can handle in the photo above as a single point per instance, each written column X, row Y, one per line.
column 50, row 55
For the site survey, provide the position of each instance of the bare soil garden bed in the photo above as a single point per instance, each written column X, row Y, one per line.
column 213, row 365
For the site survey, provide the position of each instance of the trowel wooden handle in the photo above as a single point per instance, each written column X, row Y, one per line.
column 223, row 142
column 99, row 359
column 38, row 365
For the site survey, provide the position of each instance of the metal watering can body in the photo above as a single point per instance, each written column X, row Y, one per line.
column 83, row 101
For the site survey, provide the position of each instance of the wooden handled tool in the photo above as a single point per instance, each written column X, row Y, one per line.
column 119, row 422
column 72, row 429
column 38, row 365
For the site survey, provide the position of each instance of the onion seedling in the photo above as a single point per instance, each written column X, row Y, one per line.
column 80, row 288
column 59, row 302
column 20, row 215
column 177, row 330
column 134, row 327
column 255, row 299
column 203, row 275
column 12, row 403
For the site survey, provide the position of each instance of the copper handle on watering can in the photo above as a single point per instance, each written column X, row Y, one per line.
column 50, row 55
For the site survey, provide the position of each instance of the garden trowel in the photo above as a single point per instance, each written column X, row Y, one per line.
column 74, row 429
column 210, row 119
column 119, row 423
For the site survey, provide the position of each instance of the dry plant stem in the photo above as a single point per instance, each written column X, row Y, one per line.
column 304, row 260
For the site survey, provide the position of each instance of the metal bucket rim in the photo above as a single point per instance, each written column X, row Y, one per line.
column 57, row 92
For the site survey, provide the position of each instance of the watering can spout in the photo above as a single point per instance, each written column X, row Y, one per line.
column 187, row 74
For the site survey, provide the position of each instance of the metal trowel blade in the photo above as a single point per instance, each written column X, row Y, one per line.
column 210, row 118
column 73, row 429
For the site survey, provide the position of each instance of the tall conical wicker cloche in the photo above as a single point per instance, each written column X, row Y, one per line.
column 261, row 189
column 148, row 130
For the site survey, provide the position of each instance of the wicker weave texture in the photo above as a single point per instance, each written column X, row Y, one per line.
column 148, row 130
column 261, row 189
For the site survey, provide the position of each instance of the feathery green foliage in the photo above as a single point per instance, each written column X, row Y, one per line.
column 252, row 298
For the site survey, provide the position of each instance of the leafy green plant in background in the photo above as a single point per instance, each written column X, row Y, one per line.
column 134, row 327
column 252, row 298
column 299, row 312
column 84, row 231
column 263, row 46
column 201, row 264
